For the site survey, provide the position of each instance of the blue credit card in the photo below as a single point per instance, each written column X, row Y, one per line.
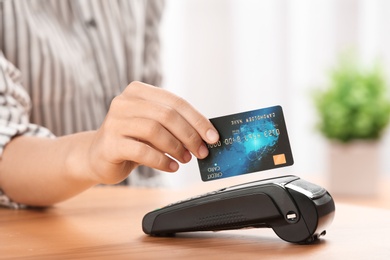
column 249, row 142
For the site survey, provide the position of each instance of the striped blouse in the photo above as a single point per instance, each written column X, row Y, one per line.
column 62, row 62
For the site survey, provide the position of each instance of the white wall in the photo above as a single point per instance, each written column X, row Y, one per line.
column 228, row 56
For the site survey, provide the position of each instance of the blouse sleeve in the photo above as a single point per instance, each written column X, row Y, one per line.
column 15, row 105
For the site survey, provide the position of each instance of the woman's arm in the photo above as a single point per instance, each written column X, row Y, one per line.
column 144, row 125
column 42, row 171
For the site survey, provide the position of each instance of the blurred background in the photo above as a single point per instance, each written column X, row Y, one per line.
column 229, row 56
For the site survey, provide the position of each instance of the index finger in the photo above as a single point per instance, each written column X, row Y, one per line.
column 200, row 123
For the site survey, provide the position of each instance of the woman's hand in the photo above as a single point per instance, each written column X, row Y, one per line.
column 144, row 125
column 149, row 126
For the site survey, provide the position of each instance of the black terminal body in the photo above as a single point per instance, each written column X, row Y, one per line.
column 298, row 211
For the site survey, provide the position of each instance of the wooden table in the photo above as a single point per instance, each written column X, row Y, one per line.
column 105, row 223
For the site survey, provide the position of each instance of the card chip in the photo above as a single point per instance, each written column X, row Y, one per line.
column 279, row 159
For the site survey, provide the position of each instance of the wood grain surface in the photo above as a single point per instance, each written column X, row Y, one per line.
column 105, row 223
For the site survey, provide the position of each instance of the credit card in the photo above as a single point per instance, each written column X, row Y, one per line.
column 249, row 142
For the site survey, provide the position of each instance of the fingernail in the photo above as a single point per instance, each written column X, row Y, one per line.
column 212, row 136
column 203, row 151
column 187, row 156
column 173, row 166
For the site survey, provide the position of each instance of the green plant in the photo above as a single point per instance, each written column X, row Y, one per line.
column 356, row 105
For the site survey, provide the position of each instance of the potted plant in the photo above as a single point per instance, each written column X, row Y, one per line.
column 353, row 113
